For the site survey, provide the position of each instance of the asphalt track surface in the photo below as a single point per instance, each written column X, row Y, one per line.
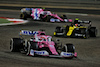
column 67, row 10
column 88, row 49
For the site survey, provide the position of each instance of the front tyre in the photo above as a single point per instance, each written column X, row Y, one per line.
column 48, row 17
column 59, row 29
column 69, row 48
column 31, row 45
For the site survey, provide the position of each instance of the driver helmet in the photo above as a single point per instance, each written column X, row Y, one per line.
column 76, row 19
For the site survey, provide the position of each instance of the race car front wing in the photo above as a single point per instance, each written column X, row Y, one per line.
column 45, row 53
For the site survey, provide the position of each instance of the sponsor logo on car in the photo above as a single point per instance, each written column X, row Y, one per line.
column 79, row 34
column 26, row 32
column 67, row 54
column 59, row 33
column 39, row 52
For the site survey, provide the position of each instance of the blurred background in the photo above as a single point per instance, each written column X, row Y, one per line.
column 63, row 3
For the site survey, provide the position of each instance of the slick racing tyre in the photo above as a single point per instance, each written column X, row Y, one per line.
column 31, row 45
column 93, row 32
column 59, row 29
column 23, row 16
column 34, row 45
column 64, row 17
column 69, row 48
column 41, row 17
column 16, row 44
column 87, row 35
column 48, row 17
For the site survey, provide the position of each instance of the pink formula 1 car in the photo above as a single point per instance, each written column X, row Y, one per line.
column 41, row 45
column 43, row 15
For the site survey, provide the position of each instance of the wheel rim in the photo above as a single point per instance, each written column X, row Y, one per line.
column 28, row 49
column 11, row 45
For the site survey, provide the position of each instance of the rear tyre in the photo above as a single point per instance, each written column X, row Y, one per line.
column 16, row 44
column 93, row 32
column 23, row 16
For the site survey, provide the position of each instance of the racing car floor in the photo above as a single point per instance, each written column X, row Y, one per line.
column 88, row 49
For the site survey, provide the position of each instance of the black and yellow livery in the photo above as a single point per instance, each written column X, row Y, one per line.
column 76, row 31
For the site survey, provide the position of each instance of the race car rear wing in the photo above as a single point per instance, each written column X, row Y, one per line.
column 29, row 9
column 27, row 32
column 86, row 22
column 32, row 33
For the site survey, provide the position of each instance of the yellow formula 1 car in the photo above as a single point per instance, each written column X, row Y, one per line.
column 81, row 29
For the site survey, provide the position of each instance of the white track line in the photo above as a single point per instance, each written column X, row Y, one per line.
column 12, row 23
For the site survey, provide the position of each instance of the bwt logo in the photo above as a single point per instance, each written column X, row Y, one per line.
column 40, row 53
column 28, row 8
column 28, row 32
column 67, row 54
